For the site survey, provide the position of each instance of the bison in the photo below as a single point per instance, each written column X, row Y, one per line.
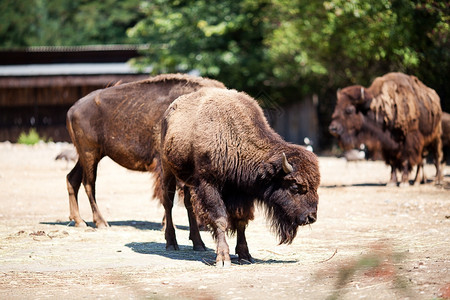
column 123, row 122
column 445, row 137
column 397, row 110
column 219, row 144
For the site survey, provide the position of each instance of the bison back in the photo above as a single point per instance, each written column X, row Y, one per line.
column 403, row 102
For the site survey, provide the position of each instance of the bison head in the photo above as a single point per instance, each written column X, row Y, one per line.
column 291, row 200
column 352, row 105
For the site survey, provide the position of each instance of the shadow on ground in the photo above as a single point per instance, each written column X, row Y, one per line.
column 141, row 225
column 186, row 253
column 352, row 185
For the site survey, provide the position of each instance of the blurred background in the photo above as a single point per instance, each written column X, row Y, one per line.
column 290, row 55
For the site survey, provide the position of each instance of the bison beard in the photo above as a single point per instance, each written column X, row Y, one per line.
column 285, row 228
column 219, row 143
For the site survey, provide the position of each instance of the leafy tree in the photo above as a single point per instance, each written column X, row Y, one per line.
column 287, row 49
column 18, row 25
column 220, row 39
column 66, row 22
column 320, row 46
column 339, row 42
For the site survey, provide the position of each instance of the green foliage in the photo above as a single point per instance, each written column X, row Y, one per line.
column 66, row 22
column 294, row 48
column 30, row 138
column 343, row 41
column 219, row 39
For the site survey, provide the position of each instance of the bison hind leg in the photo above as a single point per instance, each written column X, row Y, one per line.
column 194, row 232
column 73, row 180
column 169, row 184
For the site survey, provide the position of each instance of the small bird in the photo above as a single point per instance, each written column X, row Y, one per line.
column 68, row 155
column 308, row 144
column 355, row 154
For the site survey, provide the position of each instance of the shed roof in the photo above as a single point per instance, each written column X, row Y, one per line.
column 67, row 69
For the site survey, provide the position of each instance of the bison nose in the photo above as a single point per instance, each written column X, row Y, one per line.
column 311, row 218
column 306, row 219
column 334, row 129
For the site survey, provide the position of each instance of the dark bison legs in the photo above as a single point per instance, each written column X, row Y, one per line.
column 194, row 233
column 420, row 169
column 241, row 245
column 393, row 180
column 170, row 188
column 73, row 185
column 89, row 178
column 437, row 153
column 85, row 171
column 214, row 207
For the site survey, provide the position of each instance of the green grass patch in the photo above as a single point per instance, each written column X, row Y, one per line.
column 30, row 138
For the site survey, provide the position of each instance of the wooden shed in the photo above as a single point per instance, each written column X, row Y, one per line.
column 38, row 85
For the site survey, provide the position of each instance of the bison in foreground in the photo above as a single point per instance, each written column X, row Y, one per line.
column 397, row 110
column 219, row 143
column 123, row 122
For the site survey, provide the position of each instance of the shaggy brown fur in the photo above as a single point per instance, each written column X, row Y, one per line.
column 219, row 143
column 122, row 122
column 400, row 112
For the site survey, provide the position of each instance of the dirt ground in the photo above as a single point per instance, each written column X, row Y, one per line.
column 370, row 241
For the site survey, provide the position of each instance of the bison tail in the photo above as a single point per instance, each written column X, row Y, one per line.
column 157, row 178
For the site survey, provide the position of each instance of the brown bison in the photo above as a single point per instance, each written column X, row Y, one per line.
column 123, row 122
column 400, row 112
column 445, row 137
column 219, row 143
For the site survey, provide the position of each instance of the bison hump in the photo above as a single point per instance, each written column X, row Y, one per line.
column 400, row 102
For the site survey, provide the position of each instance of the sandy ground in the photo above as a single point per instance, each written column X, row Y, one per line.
column 370, row 241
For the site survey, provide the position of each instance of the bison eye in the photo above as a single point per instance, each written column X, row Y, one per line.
column 350, row 110
column 298, row 189
column 294, row 188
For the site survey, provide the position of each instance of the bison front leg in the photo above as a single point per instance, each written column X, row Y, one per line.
column 405, row 174
column 223, row 259
column 241, row 245
column 393, row 180
column 420, row 169
column 213, row 207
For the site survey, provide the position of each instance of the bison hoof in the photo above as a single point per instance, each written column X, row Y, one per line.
column 404, row 184
column 223, row 264
column 81, row 224
column 102, row 225
column 172, row 247
column 246, row 261
column 199, row 248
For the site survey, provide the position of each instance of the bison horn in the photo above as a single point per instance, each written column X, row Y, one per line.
column 362, row 93
column 287, row 167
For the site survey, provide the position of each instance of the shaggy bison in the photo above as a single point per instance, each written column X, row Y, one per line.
column 445, row 137
column 397, row 110
column 123, row 122
column 219, row 143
